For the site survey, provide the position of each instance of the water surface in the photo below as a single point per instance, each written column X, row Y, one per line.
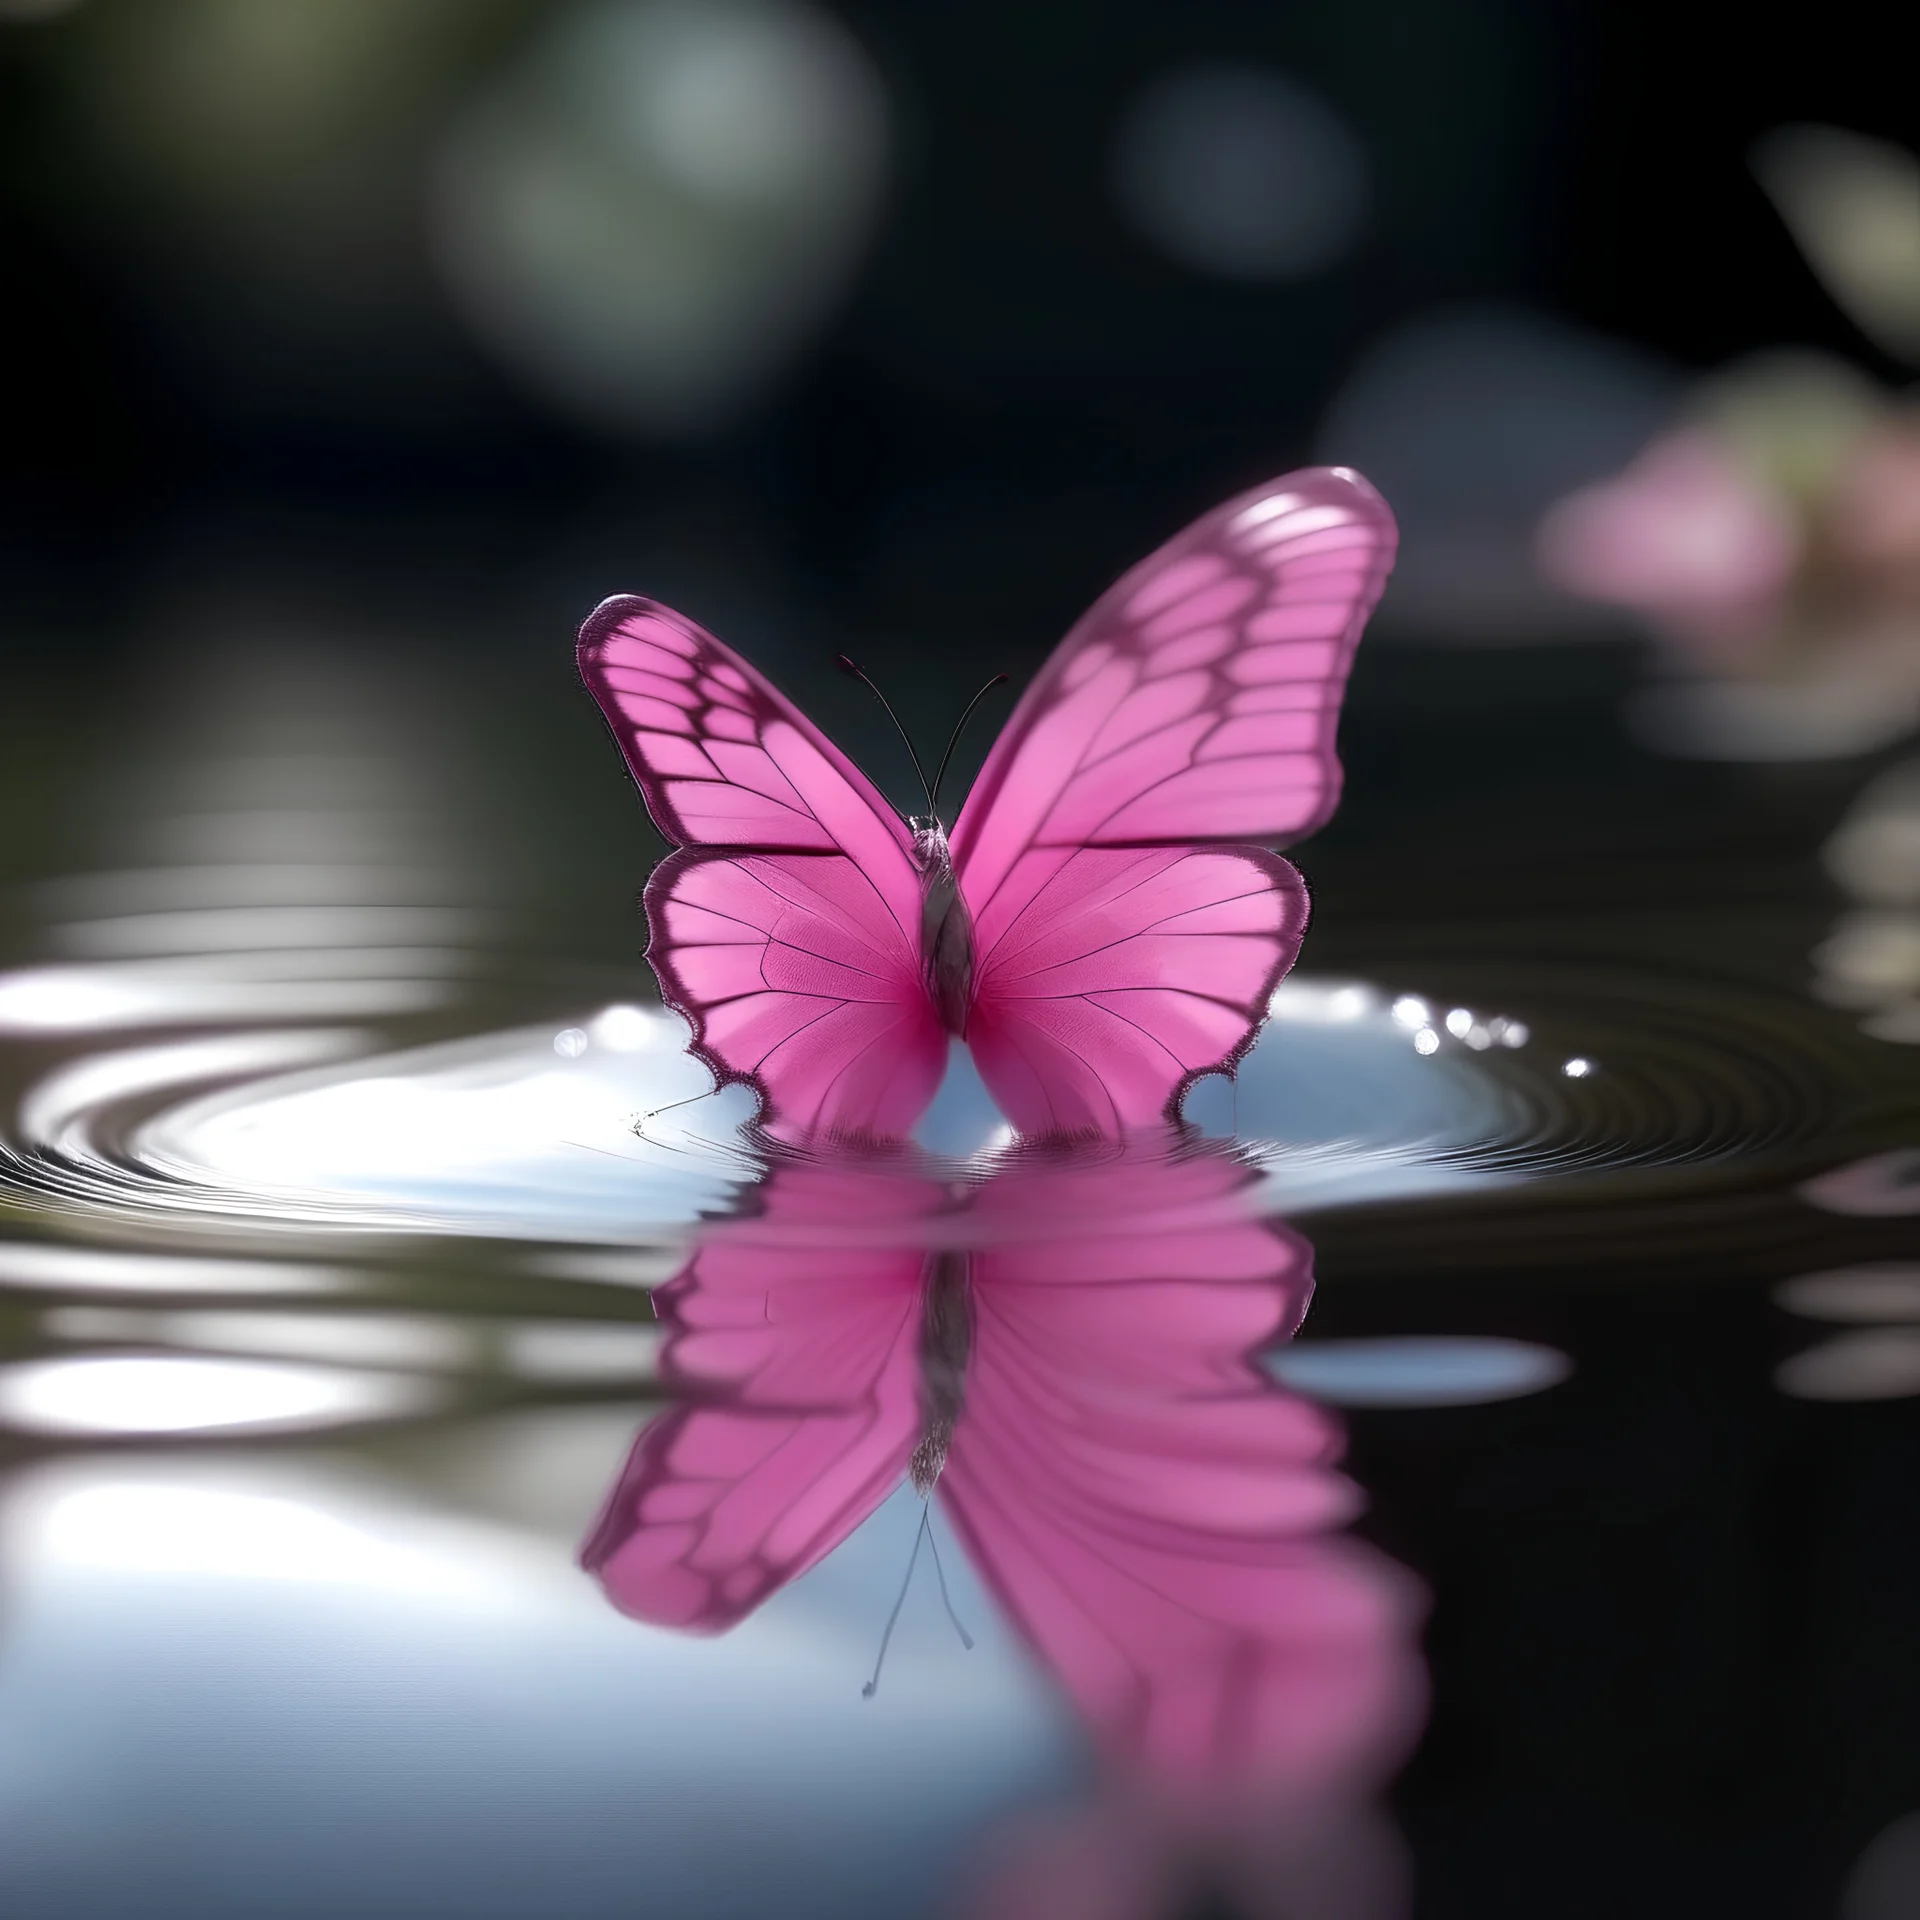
column 1464, row 1472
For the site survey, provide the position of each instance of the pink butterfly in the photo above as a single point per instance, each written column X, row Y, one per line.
column 1093, row 929
column 1064, row 1354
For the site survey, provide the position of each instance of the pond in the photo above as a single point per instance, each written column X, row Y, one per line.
column 452, row 1466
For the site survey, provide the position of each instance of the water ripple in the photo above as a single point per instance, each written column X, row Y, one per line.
column 592, row 1128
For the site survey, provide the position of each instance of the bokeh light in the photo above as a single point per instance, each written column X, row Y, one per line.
column 1853, row 204
column 1242, row 172
column 652, row 212
column 1474, row 420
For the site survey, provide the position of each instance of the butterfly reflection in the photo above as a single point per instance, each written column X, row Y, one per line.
column 1064, row 1356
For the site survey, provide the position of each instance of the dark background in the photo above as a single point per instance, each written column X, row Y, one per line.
column 1017, row 391
column 230, row 358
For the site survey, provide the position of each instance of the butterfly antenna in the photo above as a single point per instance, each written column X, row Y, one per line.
column 933, row 799
column 860, row 673
column 873, row 1686
column 940, row 1574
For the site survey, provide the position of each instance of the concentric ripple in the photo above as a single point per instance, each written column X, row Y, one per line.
column 599, row 1128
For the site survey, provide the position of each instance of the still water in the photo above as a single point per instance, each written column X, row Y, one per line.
column 451, row 1467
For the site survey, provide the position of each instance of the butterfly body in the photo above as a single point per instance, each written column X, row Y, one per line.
column 1105, row 924
column 946, row 927
column 946, row 1345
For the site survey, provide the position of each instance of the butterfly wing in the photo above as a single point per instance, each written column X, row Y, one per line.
column 724, row 758
column 787, row 929
column 1154, row 1513
column 1110, row 979
column 1197, row 700
column 797, row 978
column 1121, row 949
column 801, row 1361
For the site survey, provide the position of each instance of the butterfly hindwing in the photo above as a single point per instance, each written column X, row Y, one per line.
column 792, row 973
column 1110, row 978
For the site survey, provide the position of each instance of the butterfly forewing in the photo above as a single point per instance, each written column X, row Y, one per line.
column 1198, row 700
column 724, row 758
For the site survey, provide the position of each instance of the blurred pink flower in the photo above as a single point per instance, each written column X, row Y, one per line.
column 1682, row 534
column 1772, row 541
